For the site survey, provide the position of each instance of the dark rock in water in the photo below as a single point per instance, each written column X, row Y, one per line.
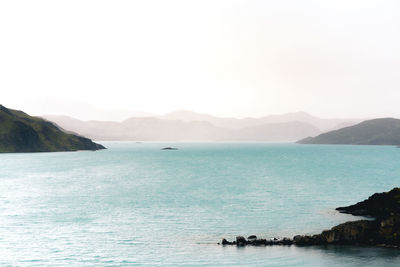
column 169, row 148
column 269, row 242
column 241, row 241
column 307, row 240
column 275, row 241
column 258, row 242
column 301, row 240
column 287, row 241
column 252, row 237
column 297, row 238
column 225, row 242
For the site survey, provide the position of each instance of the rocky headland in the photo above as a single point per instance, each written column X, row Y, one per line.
column 384, row 131
column 20, row 132
column 383, row 230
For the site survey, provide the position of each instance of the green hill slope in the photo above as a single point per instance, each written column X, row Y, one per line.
column 20, row 132
column 384, row 131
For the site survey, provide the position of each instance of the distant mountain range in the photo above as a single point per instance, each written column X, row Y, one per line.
column 234, row 123
column 20, row 132
column 191, row 126
column 385, row 131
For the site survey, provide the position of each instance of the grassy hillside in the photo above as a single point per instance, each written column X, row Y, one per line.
column 384, row 131
column 20, row 132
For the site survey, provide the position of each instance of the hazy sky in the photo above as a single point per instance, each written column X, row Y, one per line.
column 228, row 58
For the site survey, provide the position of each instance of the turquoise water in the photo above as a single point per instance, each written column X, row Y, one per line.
column 134, row 204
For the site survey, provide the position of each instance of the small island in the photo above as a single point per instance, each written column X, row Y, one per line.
column 20, row 132
column 383, row 230
column 169, row 148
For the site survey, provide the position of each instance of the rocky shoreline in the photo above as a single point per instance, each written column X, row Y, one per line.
column 383, row 231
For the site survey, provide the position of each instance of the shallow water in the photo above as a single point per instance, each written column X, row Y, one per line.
column 135, row 204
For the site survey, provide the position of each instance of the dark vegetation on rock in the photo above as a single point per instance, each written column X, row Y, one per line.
column 383, row 231
column 384, row 131
column 20, row 132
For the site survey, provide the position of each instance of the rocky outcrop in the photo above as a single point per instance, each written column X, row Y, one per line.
column 383, row 231
column 241, row 241
column 378, row 205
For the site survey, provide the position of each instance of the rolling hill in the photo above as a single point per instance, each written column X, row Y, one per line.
column 385, row 131
column 20, row 132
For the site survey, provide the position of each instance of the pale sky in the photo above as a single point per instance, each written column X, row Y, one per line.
column 227, row 58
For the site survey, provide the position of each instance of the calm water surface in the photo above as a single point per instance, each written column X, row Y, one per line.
column 135, row 204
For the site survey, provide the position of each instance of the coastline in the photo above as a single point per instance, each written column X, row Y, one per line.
column 382, row 231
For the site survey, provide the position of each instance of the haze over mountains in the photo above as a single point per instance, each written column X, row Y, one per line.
column 234, row 123
column 191, row 126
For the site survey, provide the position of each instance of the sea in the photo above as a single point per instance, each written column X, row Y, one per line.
column 137, row 205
